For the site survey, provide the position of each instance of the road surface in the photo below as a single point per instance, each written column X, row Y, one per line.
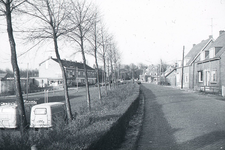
column 181, row 120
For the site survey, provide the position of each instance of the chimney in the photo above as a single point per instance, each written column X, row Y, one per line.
column 221, row 32
column 210, row 36
column 194, row 45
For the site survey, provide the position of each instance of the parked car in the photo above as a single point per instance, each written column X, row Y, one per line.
column 138, row 82
column 46, row 115
column 9, row 115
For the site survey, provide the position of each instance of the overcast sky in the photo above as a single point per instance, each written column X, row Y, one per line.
column 147, row 30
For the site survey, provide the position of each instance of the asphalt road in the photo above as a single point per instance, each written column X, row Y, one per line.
column 181, row 120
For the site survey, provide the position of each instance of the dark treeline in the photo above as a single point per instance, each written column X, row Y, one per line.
column 23, row 73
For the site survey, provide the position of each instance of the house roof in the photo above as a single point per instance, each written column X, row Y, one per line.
column 68, row 64
column 195, row 51
column 168, row 73
column 169, row 70
column 219, row 42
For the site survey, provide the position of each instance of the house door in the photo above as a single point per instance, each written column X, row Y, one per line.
column 207, row 78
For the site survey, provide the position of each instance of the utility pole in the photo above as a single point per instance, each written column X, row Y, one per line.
column 160, row 71
column 27, row 81
column 182, row 70
column 77, row 77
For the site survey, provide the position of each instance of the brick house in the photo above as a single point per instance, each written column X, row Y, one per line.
column 210, row 66
column 50, row 73
column 174, row 76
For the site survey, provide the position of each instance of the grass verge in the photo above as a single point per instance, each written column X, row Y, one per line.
column 85, row 131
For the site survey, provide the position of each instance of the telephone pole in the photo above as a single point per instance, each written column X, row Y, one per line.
column 182, row 70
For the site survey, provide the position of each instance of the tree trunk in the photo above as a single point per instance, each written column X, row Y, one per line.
column 96, row 63
column 16, row 73
column 112, row 73
column 85, row 70
column 86, row 80
column 105, row 75
column 108, row 73
column 68, row 107
column 99, row 89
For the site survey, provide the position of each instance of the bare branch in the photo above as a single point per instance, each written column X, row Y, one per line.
column 42, row 17
column 74, row 39
column 2, row 2
column 29, row 49
column 14, row 7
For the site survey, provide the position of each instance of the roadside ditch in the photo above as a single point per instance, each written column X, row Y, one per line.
column 125, row 132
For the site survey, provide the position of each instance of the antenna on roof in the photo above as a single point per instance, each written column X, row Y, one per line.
column 212, row 27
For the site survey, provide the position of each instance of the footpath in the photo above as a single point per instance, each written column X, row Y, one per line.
column 181, row 120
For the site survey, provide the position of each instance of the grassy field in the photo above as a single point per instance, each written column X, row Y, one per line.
column 86, row 127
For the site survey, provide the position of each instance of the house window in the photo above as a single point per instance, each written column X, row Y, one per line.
column 213, row 76
column 217, row 49
column 211, row 53
column 206, row 54
column 200, row 76
column 202, row 56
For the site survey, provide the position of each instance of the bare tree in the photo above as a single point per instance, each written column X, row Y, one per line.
column 104, row 42
column 133, row 68
column 113, row 58
column 82, row 16
column 52, row 15
column 6, row 9
column 110, row 56
column 116, row 62
column 94, row 43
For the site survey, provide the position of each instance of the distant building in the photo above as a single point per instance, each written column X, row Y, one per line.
column 50, row 73
column 170, row 75
column 150, row 75
column 7, row 83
